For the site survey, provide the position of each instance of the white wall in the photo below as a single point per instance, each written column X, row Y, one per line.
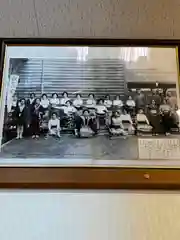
column 121, row 216
column 71, row 215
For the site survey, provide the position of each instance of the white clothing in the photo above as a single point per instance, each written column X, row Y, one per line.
column 141, row 117
column 108, row 103
column 54, row 123
column 91, row 102
column 54, row 101
column 126, row 117
column 31, row 100
column 69, row 109
column 130, row 103
column 64, row 100
column 101, row 109
column 78, row 102
column 14, row 103
column 118, row 103
column 45, row 103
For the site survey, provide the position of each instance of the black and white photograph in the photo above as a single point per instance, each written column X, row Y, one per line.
column 87, row 103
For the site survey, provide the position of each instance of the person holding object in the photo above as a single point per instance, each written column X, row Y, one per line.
column 54, row 126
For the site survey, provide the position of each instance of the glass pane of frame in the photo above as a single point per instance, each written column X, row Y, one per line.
column 90, row 106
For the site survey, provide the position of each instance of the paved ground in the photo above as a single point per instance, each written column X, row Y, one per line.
column 99, row 147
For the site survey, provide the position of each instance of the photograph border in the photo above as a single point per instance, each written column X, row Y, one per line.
column 101, row 177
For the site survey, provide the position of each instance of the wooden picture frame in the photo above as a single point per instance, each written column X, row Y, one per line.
column 89, row 177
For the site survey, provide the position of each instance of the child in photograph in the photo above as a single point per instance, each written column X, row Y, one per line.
column 78, row 102
column 64, row 98
column 54, row 126
column 36, row 114
column 91, row 102
column 44, row 102
column 142, row 122
column 107, row 102
column 21, row 118
column 116, row 126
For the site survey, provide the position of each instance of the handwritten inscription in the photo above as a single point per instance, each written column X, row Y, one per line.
column 162, row 148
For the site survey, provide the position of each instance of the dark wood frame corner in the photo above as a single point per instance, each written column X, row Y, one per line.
column 88, row 177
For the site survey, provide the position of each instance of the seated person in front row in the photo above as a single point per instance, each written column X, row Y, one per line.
column 127, row 122
column 54, row 126
column 85, row 129
column 118, row 102
column 142, row 122
column 116, row 126
column 78, row 102
column 91, row 102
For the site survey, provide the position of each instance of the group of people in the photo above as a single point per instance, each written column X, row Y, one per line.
column 118, row 116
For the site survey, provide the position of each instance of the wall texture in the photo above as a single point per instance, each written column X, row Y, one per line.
column 87, row 216
column 95, row 18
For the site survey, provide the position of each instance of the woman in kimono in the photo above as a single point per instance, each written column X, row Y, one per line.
column 86, row 131
column 31, row 100
column 54, row 126
column 36, row 114
column 21, row 118
column 154, row 118
column 142, row 123
column 116, row 126
column 166, row 116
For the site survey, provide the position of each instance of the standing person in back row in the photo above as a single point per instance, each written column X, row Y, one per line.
column 139, row 100
column 36, row 114
column 21, row 113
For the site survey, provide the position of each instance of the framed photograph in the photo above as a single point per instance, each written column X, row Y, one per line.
column 84, row 113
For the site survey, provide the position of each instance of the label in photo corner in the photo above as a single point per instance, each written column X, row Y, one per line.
column 159, row 149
